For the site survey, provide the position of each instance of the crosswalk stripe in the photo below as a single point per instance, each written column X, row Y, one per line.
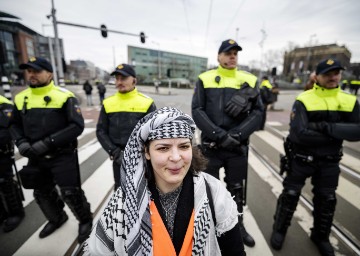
column 346, row 189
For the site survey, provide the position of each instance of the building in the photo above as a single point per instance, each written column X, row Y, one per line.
column 155, row 64
column 17, row 44
column 302, row 61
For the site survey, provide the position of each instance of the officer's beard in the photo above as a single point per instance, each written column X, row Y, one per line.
column 39, row 85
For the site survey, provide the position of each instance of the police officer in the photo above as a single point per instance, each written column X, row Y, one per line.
column 119, row 115
column 47, row 121
column 227, row 108
column 266, row 97
column 321, row 119
column 11, row 208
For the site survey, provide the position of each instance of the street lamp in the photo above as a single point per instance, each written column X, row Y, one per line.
column 59, row 67
column 158, row 57
column 308, row 53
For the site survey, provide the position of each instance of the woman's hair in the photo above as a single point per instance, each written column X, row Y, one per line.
column 198, row 162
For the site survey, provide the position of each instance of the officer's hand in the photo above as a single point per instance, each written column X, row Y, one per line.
column 229, row 142
column 41, row 147
column 116, row 155
column 237, row 104
column 26, row 150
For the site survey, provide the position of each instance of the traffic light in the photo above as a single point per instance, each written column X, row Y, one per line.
column 103, row 30
column 273, row 71
column 142, row 37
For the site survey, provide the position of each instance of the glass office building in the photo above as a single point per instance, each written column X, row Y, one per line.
column 155, row 64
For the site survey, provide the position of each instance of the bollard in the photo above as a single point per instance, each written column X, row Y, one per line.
column 6, row 87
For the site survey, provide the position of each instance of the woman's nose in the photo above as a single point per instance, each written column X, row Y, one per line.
column 175, row 155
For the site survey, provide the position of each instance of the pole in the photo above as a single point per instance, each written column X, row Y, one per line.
column 51, row 50
column 18, row 178
column 114, row 57
column 61, row 81
column 159, row 68
column 6, row 87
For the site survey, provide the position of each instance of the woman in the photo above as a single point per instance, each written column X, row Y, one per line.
column 162, row 205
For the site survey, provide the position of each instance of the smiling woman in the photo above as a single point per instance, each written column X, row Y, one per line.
column 162, row 205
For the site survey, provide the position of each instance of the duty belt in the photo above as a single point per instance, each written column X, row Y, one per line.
column 311, row 158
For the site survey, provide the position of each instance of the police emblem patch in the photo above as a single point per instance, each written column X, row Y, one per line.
column 330, row 62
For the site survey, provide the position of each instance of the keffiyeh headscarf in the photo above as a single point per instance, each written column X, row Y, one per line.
column 164, row 123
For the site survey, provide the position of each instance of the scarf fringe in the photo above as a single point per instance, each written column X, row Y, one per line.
column 229, row 223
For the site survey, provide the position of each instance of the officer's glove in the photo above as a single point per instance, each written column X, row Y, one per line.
column 41, row 147
column 322, row 127
column 117, row 155
column 237, row 104
column 241, row 101
column 26, row 150
column 230, row 142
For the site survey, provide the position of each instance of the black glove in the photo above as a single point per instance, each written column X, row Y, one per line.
column 117, row 155
column 41, row 147
column 241, row 101
column 26, row 150
column 230, row 142
column 237, row 104
column 322, row 127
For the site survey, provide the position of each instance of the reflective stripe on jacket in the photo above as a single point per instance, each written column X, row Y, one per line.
column 119, row 116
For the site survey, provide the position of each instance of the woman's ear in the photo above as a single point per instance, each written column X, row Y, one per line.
column 147, row 155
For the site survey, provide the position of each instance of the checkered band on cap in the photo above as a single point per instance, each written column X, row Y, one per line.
column 175, row 129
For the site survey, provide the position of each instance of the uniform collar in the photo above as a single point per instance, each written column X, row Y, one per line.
column 43, row 90
column 321, row 91
column 128, row 94
column 226, row 72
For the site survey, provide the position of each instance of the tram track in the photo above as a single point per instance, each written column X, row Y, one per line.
column 346, row 237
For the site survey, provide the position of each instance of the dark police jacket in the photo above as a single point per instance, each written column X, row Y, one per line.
column 321, row 119
column 6, row 110
column 47, row 112
column 213, row 90
column 118, row 117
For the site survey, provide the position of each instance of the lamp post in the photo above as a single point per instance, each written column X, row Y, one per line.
column 59, row 67
column 308, row 53
column 261, row 43
column 158, row 57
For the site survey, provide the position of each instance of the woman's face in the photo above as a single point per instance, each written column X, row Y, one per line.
column 170, row 160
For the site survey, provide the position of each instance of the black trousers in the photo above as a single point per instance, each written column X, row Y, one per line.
column 6, row 171
column 234, row 163
column 61, row 170
column 324, row 176
column 116, row 171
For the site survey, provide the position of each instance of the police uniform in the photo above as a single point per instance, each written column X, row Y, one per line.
column 11, row 208
column 320, row 120
column 266, row 97
column 226, row 106
column 47, row 122
column 118, row 117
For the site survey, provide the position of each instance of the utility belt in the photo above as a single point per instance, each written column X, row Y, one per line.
column 56, row 152
column 311, row 158
column 212, row 145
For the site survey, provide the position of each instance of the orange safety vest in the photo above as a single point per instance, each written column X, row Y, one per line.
column 162, row 243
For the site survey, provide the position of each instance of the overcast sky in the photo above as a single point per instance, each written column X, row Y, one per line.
column 194, row 27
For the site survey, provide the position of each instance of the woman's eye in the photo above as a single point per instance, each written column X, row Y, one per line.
column 185, row 147
column 162, row 148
